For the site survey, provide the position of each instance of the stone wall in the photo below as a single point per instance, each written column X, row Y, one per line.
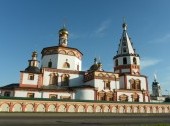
column 13, row 105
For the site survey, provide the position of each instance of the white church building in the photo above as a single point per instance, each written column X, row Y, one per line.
column 60, row 75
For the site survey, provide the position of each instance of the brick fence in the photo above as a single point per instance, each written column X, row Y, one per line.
column 47, row 105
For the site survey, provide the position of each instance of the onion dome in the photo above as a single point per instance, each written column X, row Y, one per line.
column 63, row 31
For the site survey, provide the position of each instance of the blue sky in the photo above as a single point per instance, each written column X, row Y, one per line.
column 95, row 27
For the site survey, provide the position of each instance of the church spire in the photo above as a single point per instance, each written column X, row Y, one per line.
column 63, row 37
column 127, row 60
column 125, row 46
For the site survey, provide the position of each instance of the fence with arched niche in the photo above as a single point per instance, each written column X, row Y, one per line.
column 19, row 105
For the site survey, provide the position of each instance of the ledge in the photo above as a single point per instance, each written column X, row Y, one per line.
column 62, row 100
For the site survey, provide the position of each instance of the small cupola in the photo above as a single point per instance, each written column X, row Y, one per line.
column 97, row 66
column 63, row 37
column 33, row 64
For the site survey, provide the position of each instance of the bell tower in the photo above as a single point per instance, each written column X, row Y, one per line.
column 126, row 60
column 63, row 37
column 33, row 64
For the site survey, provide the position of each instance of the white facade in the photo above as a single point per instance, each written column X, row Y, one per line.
column 58, row 61
column 85, row 94
column 129, row 95
column 74, row 79
column 26, row 79
column 41, row 94
column 143, row 82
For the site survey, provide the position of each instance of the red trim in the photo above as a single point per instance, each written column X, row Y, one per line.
column 147, row 89
column 39, row 83
column 21, row 77
column 62, row 71
column 95, row 94
column 146, row 83
column 132, row 66
column 57, row 50
column 28, row 85
column 115, row 96
column 144, row 96
column 40, row 89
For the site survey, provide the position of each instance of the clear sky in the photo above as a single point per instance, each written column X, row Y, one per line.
column 95, row 27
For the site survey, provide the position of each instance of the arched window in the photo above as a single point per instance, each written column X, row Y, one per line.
column 66, row 65
column 50, row 64
column 116, row 62
column 7, row 93
column 30, row 76
column 132, row 83
column 134, row 61
column 135, row 97
column 137, row 82
column 101, row 95
column 124, row 60
column 123, row 97
column 107, row 84
column 53, row 79
column 65, row 80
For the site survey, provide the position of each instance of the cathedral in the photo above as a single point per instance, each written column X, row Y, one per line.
column 60, row 75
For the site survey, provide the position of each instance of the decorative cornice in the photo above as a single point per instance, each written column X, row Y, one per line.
column 62, row 71
column 61, row 50
column 122, row 55
column 132, row 66
column 101, row 75
column 41, row 89
column 125, row 74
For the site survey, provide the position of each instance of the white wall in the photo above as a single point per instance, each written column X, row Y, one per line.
column 115, row 85
column 59, row 59
column 59, row 94
column 98, row 83
column 72, row 60
column 27, row 81
column 84, row 94
column 129, row 60
column 121, row 82
column 129, row 94
column 41, row 94
column 142, row 80
column 46, row 59
column 75, row 79
column 20, row 93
